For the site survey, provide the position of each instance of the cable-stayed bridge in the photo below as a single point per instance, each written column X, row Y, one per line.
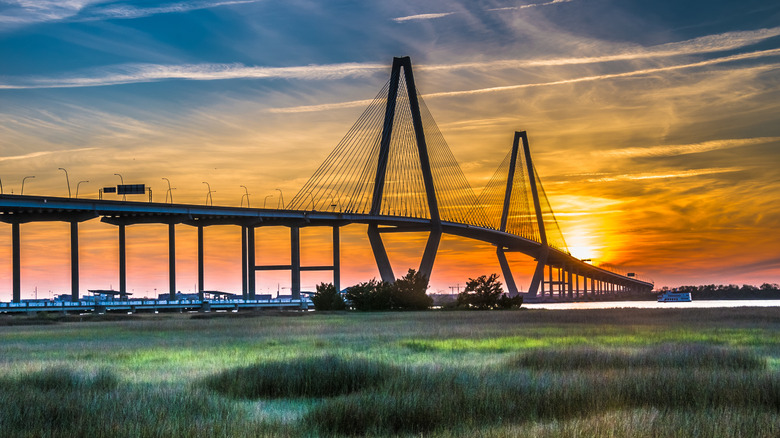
column 394, row 172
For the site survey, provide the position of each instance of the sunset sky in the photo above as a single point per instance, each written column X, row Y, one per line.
column 655, row 126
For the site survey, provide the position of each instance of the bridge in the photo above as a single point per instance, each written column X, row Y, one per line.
column 394, row 172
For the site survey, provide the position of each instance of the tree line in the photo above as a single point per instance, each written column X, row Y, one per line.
column 731, row 291
column 409, row 293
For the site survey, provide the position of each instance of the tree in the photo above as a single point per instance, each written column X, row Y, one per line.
column 408, row 292
column 370, row 295
column 327, row 298
column 484, row 293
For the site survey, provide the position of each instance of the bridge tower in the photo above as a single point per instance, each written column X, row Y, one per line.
column 374, row 236
column 543, row 251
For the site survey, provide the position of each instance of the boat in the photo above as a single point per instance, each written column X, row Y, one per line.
column 674, row 297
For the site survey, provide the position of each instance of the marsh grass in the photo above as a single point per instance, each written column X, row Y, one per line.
column 621, row 373
column 323, row 376
column 674, row 356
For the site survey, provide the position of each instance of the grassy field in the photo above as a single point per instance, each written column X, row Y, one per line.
column 616, row 373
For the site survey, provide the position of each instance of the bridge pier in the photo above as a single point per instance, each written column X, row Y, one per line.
column 74, row 261
column 172, row 261
column 200, row 263
column 337, row 257
column 506, row 271
column 250, row 252
column 122, row 259
column 244, row 264
column 17, row 262
column 380, row 254
column 295, row 262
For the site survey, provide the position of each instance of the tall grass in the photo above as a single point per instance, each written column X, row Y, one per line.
column 324, row 376
column 672, row 356
column 619, row 373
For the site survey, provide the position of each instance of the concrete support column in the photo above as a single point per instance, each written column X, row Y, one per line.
column 569, row 282
column 550, row 275
column 74, row 261
column 123, row 259
column 200, row 263
column 17, row 262
column 577, row 284
column 172, row 261
column 295, row 262
column 250, row 259
column 337, row 258
column 244, row 264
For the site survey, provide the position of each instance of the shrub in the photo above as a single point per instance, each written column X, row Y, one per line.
column 408, row 292
column 327, row 298
column 370, row 295
column 324, row 376
column 486, row 293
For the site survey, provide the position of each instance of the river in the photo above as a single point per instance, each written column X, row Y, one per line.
column 653, row 304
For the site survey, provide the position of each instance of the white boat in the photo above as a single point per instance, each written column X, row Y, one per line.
column 674, row 297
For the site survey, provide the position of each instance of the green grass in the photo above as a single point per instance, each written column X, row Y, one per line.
column 622, row 373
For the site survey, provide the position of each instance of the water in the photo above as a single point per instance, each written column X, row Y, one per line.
column 695, row 304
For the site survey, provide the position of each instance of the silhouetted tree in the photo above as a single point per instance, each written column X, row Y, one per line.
column 408, row 292
column 370, row 295
column 327, row 298
column 481, row 293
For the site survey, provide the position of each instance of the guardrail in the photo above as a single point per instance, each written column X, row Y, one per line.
column 138, row 305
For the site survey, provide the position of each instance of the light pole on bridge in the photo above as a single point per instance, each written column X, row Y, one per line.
column 247, row 197
column 25, row 179
column 122, row 182
column 208, row 195
column 67, row 180
column 77, row 187
column 169, row 191
column 281, row 199
column 266, row 199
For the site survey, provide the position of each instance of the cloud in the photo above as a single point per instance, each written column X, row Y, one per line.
column 135, row 73
column 40, row 11
column 42, row 153
column 682, row 149
column 640, row 72
column 534, row 5
column 423, row 17
column 420, row 17
column 129, row 12
column 701, row 45
column 680, row 174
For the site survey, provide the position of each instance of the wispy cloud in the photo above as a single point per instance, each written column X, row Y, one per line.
column 533, row 5
column 129, row 12
column 641, row 72
column 701, row 45
column 42, row 153
column 682, row 149
column 39, row 11
column 423, row 17
column 433, row 16
column 675, row 174
column 134, row 73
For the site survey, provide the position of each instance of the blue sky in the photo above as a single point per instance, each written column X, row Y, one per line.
column 655, row 124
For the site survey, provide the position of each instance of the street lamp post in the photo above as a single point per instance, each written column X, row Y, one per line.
column 247, row 197
column 169, row 190
column 67, row 180
column 266, row 199
column 281, row 199
column 77, row 187
column 122, row 182
column 208, row 195
column 23, row 180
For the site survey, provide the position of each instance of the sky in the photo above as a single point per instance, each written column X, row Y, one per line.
column 654, row 126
